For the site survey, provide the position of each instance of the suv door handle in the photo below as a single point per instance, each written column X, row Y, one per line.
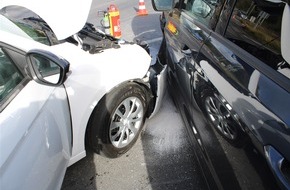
column 275, row 160
column 186, row 51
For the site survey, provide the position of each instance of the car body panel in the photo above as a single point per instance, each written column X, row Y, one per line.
column 45, row 131
column 63, row 23
column 202, row 60
column 105, row 72
column 160, row 84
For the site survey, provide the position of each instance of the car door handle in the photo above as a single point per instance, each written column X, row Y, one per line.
column 275, row 160
column 186, row 51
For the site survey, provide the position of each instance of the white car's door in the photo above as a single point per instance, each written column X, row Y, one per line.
column 35, row 128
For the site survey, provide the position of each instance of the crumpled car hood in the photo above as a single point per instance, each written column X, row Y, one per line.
column 65, row 17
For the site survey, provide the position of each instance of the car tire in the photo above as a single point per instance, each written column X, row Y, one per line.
column 223, row 120
column 117, row 121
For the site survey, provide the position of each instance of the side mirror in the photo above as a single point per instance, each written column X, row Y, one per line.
column 47, row 68
column 162, row 5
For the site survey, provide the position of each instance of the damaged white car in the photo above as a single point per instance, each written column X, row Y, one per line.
column 66, row 87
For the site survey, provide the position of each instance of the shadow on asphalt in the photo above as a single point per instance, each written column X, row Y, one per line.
column 147, row 28
column 81, row 175
column 169, row 156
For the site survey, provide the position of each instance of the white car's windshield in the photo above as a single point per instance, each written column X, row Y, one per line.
column 26, row 24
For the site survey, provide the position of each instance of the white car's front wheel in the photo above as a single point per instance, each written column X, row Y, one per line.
column 118, row 120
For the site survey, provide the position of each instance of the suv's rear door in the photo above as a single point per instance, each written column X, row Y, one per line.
column 241, row 60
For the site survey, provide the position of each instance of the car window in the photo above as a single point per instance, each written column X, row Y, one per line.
column 177, row 4
column 205, row 11
column 10, row 76
column 23, row 22
column 256, row 27
column 34, row 33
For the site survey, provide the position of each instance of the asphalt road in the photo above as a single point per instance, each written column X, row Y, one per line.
column 162, row 158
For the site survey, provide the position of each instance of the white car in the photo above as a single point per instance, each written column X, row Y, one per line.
column 66, row 88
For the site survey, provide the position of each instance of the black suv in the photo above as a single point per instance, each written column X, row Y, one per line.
column 229, row 75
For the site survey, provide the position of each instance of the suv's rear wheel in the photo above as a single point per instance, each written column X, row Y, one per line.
column 118, row 120
column 222, row 119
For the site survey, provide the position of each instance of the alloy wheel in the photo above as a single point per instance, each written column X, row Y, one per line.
column 220, row 117
column 126, row 122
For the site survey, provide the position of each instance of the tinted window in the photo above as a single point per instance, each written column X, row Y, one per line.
column 255, row 26
column 205, row 11
column 10, row 76
column 176, row 4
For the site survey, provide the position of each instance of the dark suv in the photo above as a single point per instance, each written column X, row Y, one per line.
column 229, row 75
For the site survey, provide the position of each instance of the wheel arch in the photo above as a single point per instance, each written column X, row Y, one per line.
column 209, row 87
column 200, row 90
column 205, row 86
column 148, row 96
